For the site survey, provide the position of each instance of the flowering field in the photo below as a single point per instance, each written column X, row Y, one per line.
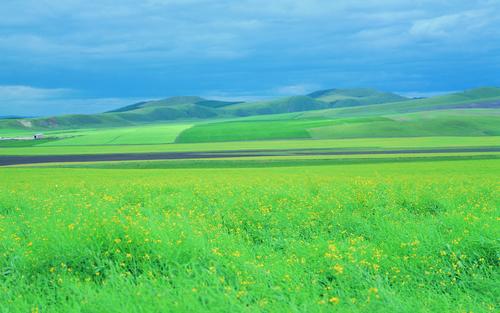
column 393, row 237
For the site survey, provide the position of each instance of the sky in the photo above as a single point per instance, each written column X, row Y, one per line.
column 85, row 56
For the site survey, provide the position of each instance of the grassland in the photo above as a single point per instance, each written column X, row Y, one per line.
column 249, row 130
column 459, row 122
column 328, row 114
column 144, row 134
column 384, row 237
column 479, row 122
column 480, row 97
column 339, row 144
column 149, row 134
column 257, row 161
column 334, row 103
column 279, row 224
column 445, row 123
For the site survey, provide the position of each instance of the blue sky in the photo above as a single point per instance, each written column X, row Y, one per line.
column 72, row 56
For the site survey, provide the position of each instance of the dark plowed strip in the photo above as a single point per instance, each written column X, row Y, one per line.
column 18, row 160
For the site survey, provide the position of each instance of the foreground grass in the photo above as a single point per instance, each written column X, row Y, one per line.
column 395, row 237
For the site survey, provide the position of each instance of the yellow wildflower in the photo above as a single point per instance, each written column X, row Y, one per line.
column 338, row 268
column 334, row 300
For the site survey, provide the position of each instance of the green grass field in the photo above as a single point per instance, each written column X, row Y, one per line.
column 443, row 102
column 328, row 114
column 144, row 134
column 331, row 104
column 149, row 134
column 249, row 130
column 275, row 161
column 341, row 144
column 479, row 122
column 343, row 200
column 384, row 237
column 444, row 122
column 482, row 122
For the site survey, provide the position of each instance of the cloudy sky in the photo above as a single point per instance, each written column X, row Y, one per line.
column 63, row 56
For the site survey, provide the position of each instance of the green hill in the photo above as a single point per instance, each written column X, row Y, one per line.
column 171, row 109
column 456, row 122
column 325, row 99
column 325, row 104
column 175, row 108
column 470, row 113
column 174, row 102
column 488, row 97
column 355, row 97
column 283, row 105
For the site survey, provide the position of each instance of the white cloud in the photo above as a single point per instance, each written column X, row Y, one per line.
column 173, row 47
column 459, row 24
column 435, row 27
column 213, row 29
column 233, row 96
column 32, row 101
column 297, row 89
column 9, row 93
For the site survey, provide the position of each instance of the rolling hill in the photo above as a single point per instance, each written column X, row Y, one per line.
column 470, row 113
column 333, row 113
column 11, row 117
column 276, row 106
column 197, row 108
column 355, row 97
column 455, row 122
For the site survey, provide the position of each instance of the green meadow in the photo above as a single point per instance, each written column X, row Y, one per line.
column 343, row 200
column 422, row 124
column 49, row 148
column 391, row 237
column 143, row 135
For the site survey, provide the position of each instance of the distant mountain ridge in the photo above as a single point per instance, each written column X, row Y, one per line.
column 358, row 101
column 355, row 97
column 174, row 102
column 12, row 117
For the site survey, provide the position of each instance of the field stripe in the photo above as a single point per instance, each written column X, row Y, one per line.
column 18, row 160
